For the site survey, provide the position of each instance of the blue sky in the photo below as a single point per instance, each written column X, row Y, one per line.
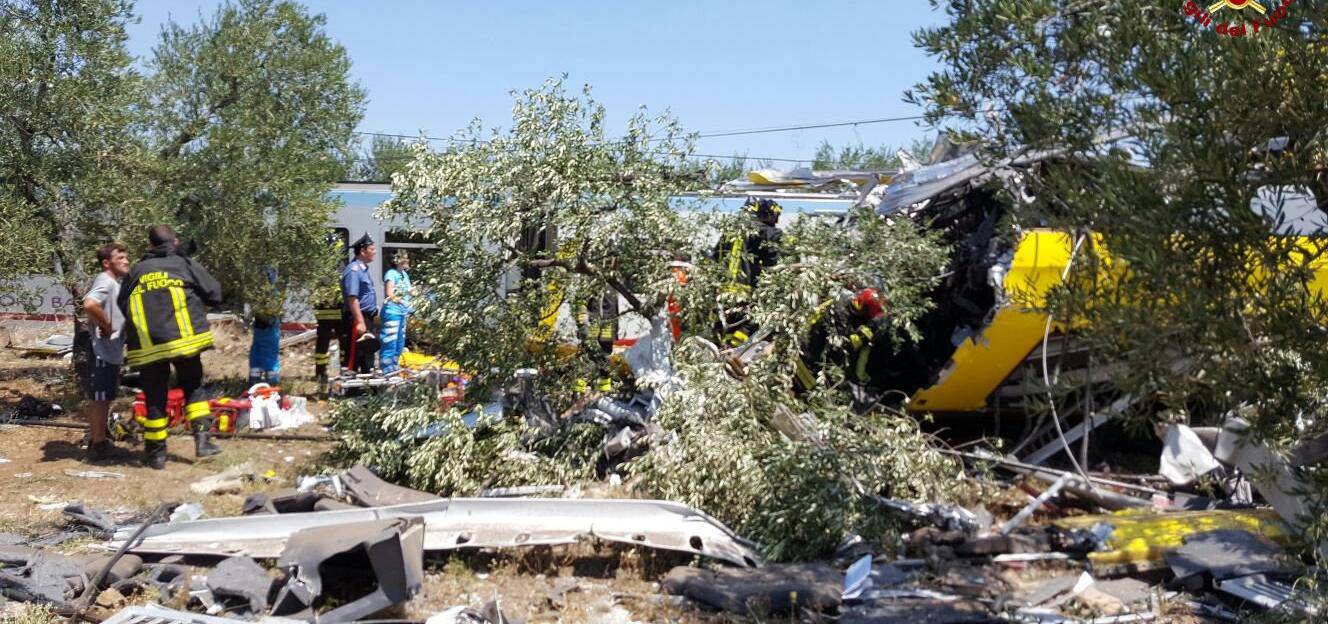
column 717, row 66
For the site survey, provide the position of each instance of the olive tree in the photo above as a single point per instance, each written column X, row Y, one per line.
column 70, row 163
column 252, row 115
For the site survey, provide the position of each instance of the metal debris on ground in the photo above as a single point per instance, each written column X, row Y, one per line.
column 157, row 614
column 241, row 579
column 774, row 589
column 473, row 523
column 93, row 474
column 229, row 481
column 1138, row 537
column 387, row 555
column 1227, row 553
column 93, row 519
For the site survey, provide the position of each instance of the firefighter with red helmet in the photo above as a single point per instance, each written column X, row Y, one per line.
column 856, row 321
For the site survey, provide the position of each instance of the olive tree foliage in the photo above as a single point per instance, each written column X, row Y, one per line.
column 251, row 117
column 1187, row 270
column 488, row 199
column 376, row 162
column 68, row 156
column 234, row 134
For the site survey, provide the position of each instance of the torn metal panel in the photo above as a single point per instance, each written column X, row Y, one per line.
column 1260, row 590
column 1184, row 456
column 1270, row 473
column 473, row 523
column 392, row 550
column 157, row 614
column 1227, row 553
column 366, row 488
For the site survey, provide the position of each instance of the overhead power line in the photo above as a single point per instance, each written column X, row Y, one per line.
column 701, row 135
column 812, row 126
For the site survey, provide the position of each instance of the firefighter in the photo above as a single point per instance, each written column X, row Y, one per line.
column 328, row 305
column 744, row 256
column 165, row 298
column 361, row 308
column 597, row 329
column 856, row 321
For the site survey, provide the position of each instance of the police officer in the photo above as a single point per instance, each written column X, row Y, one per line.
column 361, row 308
column 164, row 297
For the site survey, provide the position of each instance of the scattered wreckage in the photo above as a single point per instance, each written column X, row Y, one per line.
column 1160, row 552
column 449, row 524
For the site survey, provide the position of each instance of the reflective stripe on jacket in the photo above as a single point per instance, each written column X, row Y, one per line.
column 164, row 298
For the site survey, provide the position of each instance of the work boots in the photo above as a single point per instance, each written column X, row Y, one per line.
column 203, row 446
column 154, row 454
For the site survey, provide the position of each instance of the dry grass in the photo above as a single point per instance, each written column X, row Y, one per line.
column 29, row 614
column 608, row 583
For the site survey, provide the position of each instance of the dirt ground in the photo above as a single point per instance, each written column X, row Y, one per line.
column 39, row 457
column 576, row 584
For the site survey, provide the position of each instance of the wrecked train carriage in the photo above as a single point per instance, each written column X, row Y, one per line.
column 982, row 345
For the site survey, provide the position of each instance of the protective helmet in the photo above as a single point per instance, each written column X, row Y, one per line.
column 867, row 304
column 765, row 210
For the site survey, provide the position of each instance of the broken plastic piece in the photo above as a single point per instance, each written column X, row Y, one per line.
column 857, row 578
column 1184, row 456
column 186, row 512
column 1020, row 518
column 1137, row 537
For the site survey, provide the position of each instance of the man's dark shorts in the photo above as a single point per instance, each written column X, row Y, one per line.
column 103, row 380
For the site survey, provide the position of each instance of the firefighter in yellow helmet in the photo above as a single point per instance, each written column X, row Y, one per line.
column 165, row 298
column 744, row 255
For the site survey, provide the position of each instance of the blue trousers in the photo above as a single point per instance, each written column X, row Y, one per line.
column 265, row 352
column 393, row 339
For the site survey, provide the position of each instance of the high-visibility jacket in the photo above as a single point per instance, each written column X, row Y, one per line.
column 165, row 297
column 597, row 319
column 327, row 300
column 853, row 356
column 745, row 256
